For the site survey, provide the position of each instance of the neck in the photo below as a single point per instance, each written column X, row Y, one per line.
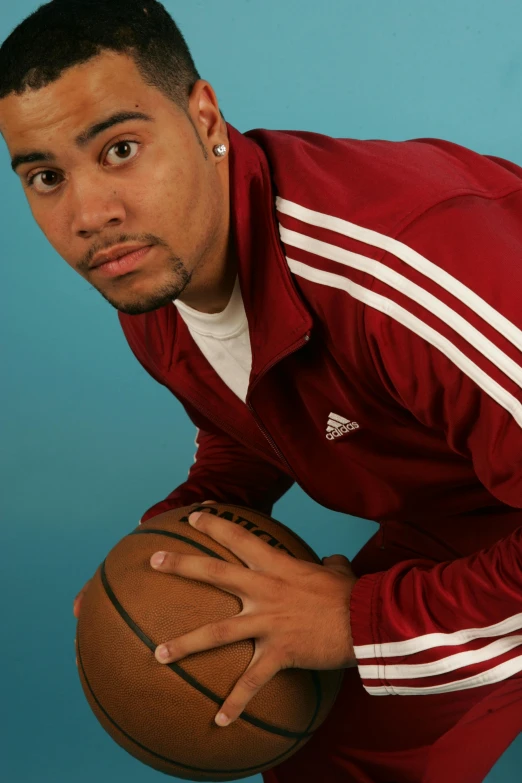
column 211, row 286
column 213, row 279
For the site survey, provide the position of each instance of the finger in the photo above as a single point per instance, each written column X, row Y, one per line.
column 78, row 600
column 83, row 590
column 336, row 560
column 251, row 549
column 258, row 674
column 339, row 563
column 77, row 605
column 206, row 502
column 210, row 636
column 232, row 578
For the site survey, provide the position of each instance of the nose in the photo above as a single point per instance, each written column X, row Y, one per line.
column 94, row 207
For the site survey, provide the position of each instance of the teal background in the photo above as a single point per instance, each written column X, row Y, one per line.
column 89, row 440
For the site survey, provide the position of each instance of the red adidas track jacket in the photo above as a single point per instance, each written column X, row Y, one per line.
column 382, row 283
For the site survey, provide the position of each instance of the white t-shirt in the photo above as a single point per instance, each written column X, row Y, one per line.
column 224, row 340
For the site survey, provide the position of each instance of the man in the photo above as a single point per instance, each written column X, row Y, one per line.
column 340, row 313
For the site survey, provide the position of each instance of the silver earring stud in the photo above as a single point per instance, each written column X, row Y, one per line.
column 220, row 150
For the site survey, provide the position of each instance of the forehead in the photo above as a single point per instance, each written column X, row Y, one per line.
column 67, row 105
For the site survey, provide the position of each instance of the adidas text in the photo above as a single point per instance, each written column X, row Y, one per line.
column 342, row 430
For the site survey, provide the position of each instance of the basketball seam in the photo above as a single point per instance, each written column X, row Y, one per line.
column 272, row 762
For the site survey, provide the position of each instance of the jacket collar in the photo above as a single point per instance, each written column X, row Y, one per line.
column 277, row 318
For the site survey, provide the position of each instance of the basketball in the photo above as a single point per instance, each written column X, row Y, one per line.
column 163, row 714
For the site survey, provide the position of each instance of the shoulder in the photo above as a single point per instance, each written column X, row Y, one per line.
column 378, row 184
column 361, row 215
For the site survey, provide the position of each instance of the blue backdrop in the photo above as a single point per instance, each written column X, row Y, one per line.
column 89, row 439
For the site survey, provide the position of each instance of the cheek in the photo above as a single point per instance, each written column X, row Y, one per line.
column 176, row 187
column 185, row 202
column 51, row 225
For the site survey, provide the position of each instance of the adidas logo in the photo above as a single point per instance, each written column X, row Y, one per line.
column 338, row 426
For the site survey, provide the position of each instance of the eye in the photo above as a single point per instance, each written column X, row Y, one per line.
column 124, row 145
column 32, row 180
column 124, row 148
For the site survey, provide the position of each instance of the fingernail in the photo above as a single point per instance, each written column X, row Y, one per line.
column 158, row 558
column 163, row 651
column 221, row 719
column 193, row 518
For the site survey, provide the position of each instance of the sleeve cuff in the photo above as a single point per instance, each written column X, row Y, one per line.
column 365, row 621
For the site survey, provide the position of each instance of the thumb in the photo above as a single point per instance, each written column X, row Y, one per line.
column 338, row 563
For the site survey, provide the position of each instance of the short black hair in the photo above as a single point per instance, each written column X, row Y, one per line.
column 64, row 33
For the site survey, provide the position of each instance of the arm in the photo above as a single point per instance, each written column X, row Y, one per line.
column 224, row 470
column 420, row 629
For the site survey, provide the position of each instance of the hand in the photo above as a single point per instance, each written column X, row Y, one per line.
column 76, row 607
column 297, row 612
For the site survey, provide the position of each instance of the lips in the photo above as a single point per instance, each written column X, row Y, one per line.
column 113, row 254
column 123, row 266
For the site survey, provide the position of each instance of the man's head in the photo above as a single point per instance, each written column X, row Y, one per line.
column 76, row 64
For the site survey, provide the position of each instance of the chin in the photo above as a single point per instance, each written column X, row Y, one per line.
column 136, row 309
column 137, row 305
column 126, row 296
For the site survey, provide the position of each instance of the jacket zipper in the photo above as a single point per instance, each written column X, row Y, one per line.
column 223, row 425
column 278, row 358
column 271, row 442
column 226, row 427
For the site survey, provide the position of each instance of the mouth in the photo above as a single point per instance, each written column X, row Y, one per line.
column 123, row 265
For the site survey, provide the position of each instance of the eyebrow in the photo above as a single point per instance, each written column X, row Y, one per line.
column 82, row 139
